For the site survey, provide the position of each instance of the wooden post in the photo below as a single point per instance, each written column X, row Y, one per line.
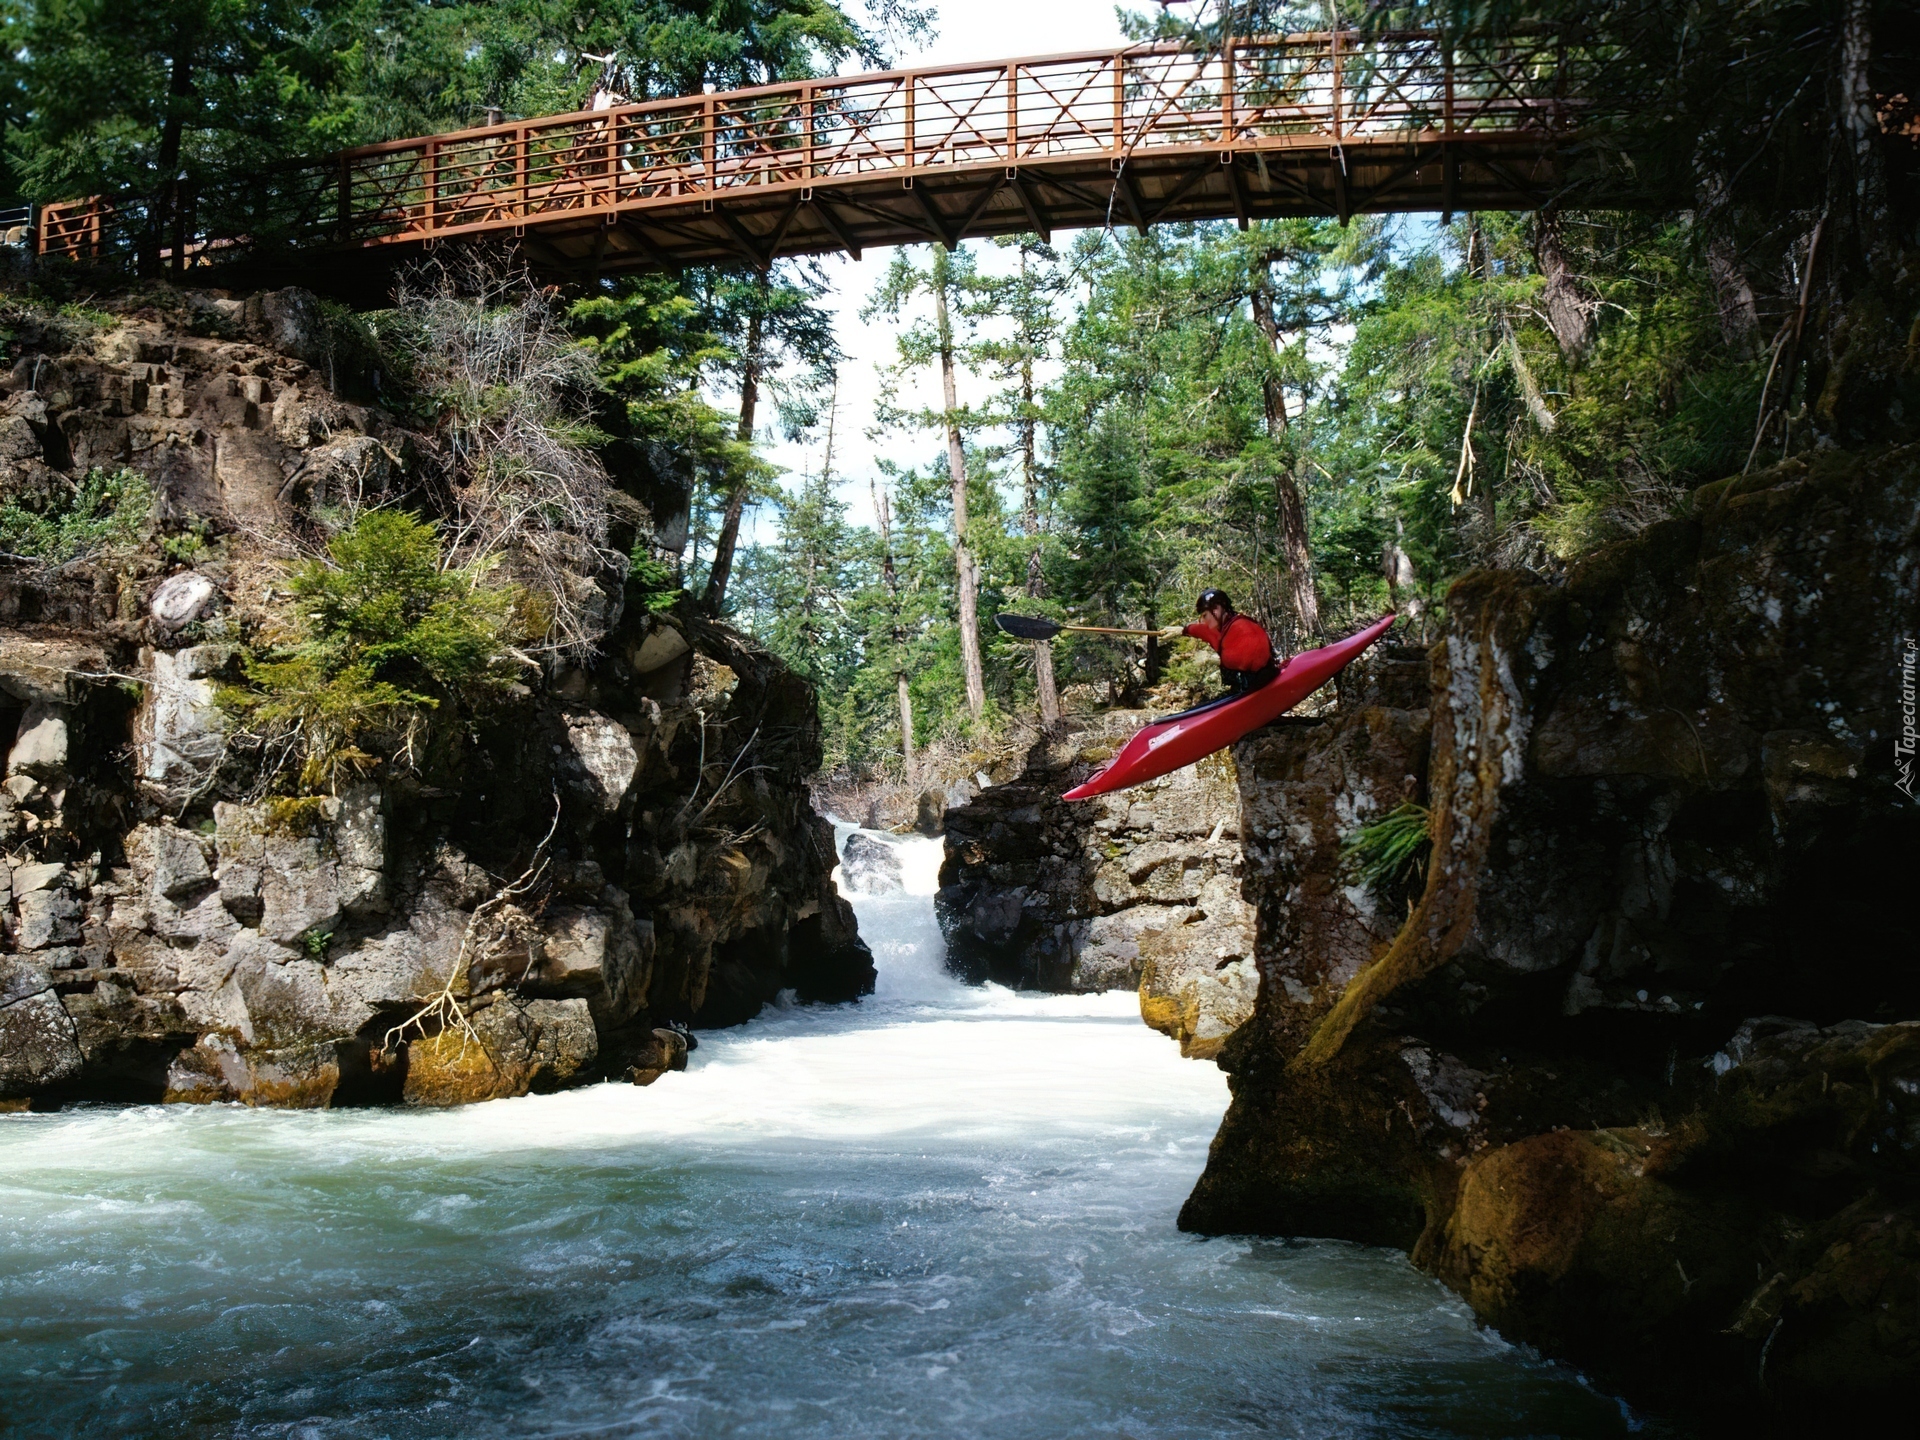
column 432, row 201
column 345, row 196
column 1336, row 85
column 813, row 100
column 1013, row 114
column 520, row 167
column 1119, row 102
column 912, row 146
column 1339, row 155
column 1226, row 92
column 1448, row 165
column 711, row 145
column 613, row 161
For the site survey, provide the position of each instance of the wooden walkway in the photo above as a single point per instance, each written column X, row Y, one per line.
column 1331, row 124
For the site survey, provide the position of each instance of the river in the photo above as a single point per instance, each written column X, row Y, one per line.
column 947, row 1211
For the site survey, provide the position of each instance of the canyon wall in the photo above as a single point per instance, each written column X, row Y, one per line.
column 615, row 845
column 1635, row 1064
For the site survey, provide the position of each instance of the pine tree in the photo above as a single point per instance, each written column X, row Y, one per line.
column 156, row 98
column 946, row 281
column 1026, row 299
column 770, row 319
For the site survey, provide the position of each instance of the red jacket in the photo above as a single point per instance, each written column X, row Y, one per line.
column 1245, row 646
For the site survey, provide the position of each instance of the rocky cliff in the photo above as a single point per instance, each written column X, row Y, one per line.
column 1137, row 890
column 615, row 845
column 1634, row 1065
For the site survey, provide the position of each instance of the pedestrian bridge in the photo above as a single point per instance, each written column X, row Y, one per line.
column 1337, row 124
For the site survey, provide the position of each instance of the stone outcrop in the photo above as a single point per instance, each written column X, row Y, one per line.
column 1633, row 1065
column 1135, row 890
column 273, row 952
column 869, row 865
column 610, row 849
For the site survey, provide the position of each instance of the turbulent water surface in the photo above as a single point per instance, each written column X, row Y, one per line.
column 943, row 1212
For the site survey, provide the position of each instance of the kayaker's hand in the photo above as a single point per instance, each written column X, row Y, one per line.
column 1174, row 632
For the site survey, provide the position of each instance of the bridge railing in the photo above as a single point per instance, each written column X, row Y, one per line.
column 1320, row 90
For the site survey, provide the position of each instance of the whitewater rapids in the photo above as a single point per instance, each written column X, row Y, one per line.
column 947, row 1211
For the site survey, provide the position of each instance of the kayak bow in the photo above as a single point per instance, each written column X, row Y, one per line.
column 1164, row 746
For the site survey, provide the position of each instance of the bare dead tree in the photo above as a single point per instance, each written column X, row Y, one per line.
column 520, row 476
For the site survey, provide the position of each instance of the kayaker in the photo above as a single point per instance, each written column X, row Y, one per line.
column 1246, row 654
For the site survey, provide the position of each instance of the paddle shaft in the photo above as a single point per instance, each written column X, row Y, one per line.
column 1103, row 630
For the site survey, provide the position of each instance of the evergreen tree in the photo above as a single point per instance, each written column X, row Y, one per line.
column 1026, row 300
column 946, row 280
column 157, row 98
column 769, row 319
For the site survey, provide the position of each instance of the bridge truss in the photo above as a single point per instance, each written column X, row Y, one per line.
column 1336, row 123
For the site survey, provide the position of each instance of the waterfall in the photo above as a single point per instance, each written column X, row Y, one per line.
column 899, row 926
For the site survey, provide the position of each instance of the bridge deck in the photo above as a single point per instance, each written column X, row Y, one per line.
column 1321, row 124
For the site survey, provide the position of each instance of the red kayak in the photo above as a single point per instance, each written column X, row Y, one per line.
column 1166, row 745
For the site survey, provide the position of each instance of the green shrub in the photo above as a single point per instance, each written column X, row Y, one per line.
column 382, row 636
column 188, row 545
column 650, row 581
column 1381, row 855
column 105, row 510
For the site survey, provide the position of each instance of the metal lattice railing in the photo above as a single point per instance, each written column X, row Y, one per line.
column 1337, row 89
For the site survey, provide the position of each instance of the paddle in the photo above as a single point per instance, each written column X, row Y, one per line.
column 1028, row 627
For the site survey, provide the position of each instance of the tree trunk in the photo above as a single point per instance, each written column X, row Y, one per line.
column 906, row 725
column 890, row 581
column 1286, row 491
column 728, row 540
column 1739, row 318
column 1568, row 313
column 1043, row 682
column 169, row 202
column 965, row 573
column 1403, row 581
column 1529, row 387
column 1860, row 122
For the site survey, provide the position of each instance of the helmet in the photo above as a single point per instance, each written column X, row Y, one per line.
column 1210, row 598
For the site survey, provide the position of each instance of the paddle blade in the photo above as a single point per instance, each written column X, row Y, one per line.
column 1027, row 627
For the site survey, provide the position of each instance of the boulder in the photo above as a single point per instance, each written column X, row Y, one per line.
column 343, row 470
column 216, row 1070
column 291, row 321
column 602, row 759
column 661, row 648
column 170, row 861
column 286, row 995
column 869, row 865
column 182, row 599
column 601, row 955
column 38, row 1044
column 512, row 1048
column 929, row 816
column 40, row 746
column 47, row 916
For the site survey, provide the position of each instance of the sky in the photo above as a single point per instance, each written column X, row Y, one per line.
column 968, row 30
